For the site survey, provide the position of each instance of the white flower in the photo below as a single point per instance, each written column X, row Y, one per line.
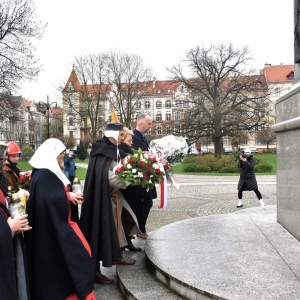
column 136, row 155
column 129, row 166
column 150, row 180
column 155, row 166
column 140, row 174
column 146, row 155
column 134, row 170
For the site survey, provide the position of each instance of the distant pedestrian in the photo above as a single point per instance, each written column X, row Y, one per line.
column 70, row 167
column 247, row 180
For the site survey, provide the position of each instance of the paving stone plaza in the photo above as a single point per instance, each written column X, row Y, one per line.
column 197, row 196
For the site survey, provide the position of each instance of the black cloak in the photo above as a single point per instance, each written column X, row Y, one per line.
column 8, row 284
column 97, row 220
column 58, row 263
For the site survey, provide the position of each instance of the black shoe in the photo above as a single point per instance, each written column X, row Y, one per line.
column 131, row 247
column 238, row 206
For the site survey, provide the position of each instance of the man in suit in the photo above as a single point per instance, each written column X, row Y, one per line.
column 141, row 200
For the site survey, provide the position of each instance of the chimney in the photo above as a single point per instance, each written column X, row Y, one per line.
column 267, row 65
column 153, row 85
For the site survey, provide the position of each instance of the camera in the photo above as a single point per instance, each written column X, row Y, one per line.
column 244, row 155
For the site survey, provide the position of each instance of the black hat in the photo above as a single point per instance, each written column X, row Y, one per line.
column 114, row 126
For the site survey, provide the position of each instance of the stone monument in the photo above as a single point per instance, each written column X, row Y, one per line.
column 287, row 130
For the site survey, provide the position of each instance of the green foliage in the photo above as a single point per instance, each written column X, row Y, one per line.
column 263, row 167
column 81, row 151
column 230, row 169
column 27, row 152
column 195, row 168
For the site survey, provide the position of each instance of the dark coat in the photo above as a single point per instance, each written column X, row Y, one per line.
column 70, row 167
column 12, row 251
column 247, row 175
column 58, row 263
column 8, row 284
column 97, row 219
column 139, row 142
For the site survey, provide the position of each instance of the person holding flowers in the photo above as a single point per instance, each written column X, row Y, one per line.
column 100, row 219
column 142, row 199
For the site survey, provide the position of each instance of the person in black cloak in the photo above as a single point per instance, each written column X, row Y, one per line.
column 100, row 219
column 59, row 262
column 13, row 275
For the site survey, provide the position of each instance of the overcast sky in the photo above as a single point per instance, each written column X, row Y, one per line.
column 159, row 31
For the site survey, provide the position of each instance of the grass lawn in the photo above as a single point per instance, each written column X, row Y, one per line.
column 81, row 172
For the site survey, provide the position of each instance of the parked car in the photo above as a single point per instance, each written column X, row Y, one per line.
column 193, row 151
column 227, row 150
column 253, row 150
column 204, row 150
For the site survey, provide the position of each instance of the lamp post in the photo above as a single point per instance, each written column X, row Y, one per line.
column 47, row 105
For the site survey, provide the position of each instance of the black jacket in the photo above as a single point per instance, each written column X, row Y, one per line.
column 247, row 174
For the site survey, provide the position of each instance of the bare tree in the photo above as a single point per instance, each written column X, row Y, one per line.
column 18, row 26
column 129, row 81
column 86, row 93
column 266, row 136
column 225, row 98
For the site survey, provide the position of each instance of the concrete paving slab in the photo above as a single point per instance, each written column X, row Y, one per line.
column 244, row 255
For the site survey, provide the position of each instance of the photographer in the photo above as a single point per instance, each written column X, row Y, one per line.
column 247, row 180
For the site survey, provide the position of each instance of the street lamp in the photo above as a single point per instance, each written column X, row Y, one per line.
column 47, row 105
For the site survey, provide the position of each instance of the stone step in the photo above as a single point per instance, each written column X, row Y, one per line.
column 137, row 283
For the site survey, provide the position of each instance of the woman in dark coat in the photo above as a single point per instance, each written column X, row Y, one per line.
column 59, row 262
column 247, row 180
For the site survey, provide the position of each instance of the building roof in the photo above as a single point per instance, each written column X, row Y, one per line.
column 280, row 73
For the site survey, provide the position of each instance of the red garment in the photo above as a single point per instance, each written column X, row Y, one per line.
column 77, row 230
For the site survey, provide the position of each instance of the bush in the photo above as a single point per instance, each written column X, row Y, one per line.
column 230, row 169
column 27, row 153
column 195, row 168
column 263, row 167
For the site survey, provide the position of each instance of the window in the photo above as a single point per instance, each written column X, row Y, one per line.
column 168, row 128
column 158, row 104
column 158, row 130
column 70, row 133
column 177, row 128
column 168, row 116
column 84, row 122
column 158, row 91
column 138, row 105
column 186, row 104
column 277, row 92
column 178, row 103
column 168, row 104
column 177, row 115
column 71, row 121
column 158, row 117
column 147, row 104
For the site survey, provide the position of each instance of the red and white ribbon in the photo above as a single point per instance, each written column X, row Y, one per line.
column 163, row 193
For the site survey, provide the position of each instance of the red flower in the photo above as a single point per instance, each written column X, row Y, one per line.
column 149, row 168
column 157, row 171
column 142, row 164
column 145, row 176
column 118, row 170
column 131, row 160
